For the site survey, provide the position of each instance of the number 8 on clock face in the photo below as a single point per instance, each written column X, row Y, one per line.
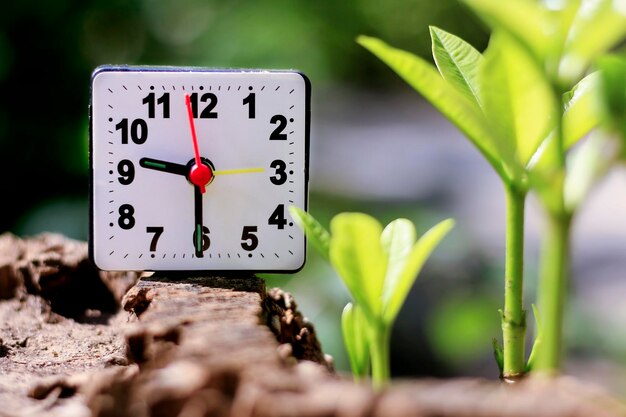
column 194, row 169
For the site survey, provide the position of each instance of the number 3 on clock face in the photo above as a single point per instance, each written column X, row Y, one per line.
column 194, row 169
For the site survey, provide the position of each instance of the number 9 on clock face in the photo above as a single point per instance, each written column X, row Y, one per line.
column 195, row 169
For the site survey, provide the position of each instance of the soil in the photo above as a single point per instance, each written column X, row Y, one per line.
column 75, row 341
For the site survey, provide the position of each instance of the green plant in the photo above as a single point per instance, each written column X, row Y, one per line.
column 378, row 267
column 524, row 104
column 564, row 43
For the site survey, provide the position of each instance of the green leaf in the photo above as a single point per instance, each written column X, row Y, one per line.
column 524, row 20
column 397, row 241
column 498, row 354
column 546, row 176
column 457, row 61
column 517, row 98
column 315, row 232
column 532, row 358
column 354, row 330
column 420, row 252
column 582, row 111
column 358, row 257
column 613, row 95
column 466, row 116
column 586, row 165
column 597, row 28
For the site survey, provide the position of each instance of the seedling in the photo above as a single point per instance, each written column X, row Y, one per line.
column 564, row 43
column 378, row 267
column 523, row 105
column 470, row 102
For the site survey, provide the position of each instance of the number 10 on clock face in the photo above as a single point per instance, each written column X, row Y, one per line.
column 194, row 169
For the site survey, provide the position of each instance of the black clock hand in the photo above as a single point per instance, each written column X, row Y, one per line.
column 199, row 228
column 164, row 166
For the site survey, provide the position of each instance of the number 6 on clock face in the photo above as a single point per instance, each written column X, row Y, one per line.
column 194, row 169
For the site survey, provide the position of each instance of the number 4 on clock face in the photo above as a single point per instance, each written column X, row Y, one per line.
column 194, row 169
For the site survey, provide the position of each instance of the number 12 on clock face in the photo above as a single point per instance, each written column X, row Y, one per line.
column 194, row 169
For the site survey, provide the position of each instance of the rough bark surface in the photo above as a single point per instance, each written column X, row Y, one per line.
column 75, row 341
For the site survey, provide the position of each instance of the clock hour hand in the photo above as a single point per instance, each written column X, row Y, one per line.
column 198, row 236
column 164, row 166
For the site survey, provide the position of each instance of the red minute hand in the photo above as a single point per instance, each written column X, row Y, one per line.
column 200, row 174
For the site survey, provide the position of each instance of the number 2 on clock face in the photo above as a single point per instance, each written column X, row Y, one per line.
column 194, row 169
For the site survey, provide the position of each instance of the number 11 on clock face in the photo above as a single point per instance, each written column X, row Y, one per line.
column 194, row 169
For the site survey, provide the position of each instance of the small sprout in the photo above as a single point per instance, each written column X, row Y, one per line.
column 498, row 354
column 532, row 358
column 378, row 267
column 354, row 329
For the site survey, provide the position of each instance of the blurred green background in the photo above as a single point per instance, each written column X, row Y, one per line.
column 376, row 147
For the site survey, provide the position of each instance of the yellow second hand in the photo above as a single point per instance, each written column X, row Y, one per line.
column 237, row 171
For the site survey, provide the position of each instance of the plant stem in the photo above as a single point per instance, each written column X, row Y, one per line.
column 514, row 315
column 380, row 338
column 552, row 289
column 554, row 261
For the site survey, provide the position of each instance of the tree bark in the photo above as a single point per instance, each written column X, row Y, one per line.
column 79, row 342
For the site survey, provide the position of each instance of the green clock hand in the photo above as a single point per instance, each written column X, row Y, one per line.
column 164, row 166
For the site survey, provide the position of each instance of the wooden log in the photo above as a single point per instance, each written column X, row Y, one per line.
column 209, row 346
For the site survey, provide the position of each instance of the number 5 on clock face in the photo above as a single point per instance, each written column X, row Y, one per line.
column 194, row 169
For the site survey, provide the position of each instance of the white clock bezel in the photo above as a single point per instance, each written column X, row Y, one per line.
column 186, row 265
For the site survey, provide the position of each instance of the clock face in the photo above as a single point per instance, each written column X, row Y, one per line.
column 195, row 169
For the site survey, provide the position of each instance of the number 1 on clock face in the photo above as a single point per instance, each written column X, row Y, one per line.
column 195, row 169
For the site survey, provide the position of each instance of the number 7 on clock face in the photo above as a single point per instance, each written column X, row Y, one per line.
column 194, row 169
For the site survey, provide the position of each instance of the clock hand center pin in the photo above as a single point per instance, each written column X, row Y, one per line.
column 200, row 174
